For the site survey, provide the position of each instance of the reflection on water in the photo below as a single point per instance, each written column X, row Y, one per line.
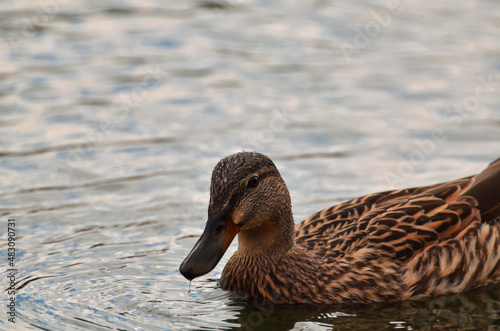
column 114, row 113
column 477, row 309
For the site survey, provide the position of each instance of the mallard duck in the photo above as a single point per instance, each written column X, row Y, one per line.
column 384, row 247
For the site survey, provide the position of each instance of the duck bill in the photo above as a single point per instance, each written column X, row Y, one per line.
column 218, row 234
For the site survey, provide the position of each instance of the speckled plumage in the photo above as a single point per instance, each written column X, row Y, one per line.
column 383, row 247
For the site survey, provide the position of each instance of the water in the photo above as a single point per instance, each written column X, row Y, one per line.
column 114, row 113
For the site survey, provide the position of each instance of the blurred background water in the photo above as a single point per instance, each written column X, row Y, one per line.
column 113, row 114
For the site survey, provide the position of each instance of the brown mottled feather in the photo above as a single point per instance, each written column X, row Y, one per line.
column 385, row 247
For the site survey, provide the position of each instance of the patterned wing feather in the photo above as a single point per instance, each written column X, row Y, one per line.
column 400, row 222
column 444, row 237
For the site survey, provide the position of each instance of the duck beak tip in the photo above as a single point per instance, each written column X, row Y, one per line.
column 210, row 248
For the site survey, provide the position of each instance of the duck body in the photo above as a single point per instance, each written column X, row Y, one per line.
column 384, row 247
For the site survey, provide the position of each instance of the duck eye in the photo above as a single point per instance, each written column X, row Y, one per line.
column 253, row 182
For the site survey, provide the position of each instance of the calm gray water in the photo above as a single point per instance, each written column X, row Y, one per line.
column 114, row 113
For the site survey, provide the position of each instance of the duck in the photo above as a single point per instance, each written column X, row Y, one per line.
column 397, row 245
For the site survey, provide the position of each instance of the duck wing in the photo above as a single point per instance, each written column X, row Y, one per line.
column 400, row 222
column 444, row 237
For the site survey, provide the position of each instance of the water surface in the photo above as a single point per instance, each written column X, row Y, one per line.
column 114, row 113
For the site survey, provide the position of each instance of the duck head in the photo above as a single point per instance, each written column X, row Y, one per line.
column 248, row 197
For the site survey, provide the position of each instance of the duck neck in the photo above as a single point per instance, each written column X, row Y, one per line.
column 269, row 240
column 281, row 273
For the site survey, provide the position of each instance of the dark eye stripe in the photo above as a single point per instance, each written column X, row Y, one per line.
column 266, row 173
